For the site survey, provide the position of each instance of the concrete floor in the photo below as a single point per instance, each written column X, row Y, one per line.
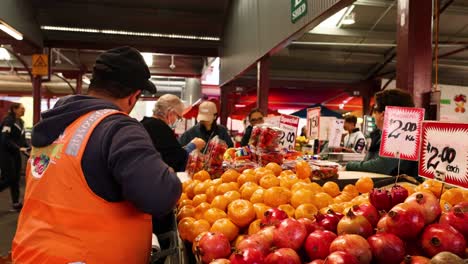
column 7, row 222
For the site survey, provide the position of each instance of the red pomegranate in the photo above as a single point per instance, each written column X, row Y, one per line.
column 399, row 194
column 415, row 260
column 289, row 233
column 257, row 241
column 438, row 237
column 387, row 248
column 317, row 245
column 429, row 204
column 317, row 261
column 404, row 220
column 355, row 245
column 354, row 224
column 328, row 221
column 368, row 211
column 381, row 199
column 247, row 256
column 283, row 256
column 273, row 216
column 310, row 224
column 341, row 257
column 457, row 217
column 213, row 245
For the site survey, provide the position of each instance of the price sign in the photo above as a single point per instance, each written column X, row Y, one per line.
column 444, row 152
column 336, row 130
column 313, row 122
column 289, row 126
column 402, row 132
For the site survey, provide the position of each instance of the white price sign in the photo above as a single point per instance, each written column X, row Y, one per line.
column 336, row 130
column 444, row 152
column 402, row 132
column 289, row 126
column 313, row 122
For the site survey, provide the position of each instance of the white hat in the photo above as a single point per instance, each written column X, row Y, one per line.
column 207, row 111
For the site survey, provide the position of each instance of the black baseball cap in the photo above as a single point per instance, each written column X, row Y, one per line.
column 126, row 66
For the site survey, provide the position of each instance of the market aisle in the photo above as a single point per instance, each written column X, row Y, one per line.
column 7, row 222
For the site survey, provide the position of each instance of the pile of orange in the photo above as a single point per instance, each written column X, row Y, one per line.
column 235, row 203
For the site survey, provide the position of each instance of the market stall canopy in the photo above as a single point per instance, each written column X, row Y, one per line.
column 241, row 112
column 323, row 112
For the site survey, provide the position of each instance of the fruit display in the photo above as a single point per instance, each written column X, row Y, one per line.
column 214, row 156
column 270, row 215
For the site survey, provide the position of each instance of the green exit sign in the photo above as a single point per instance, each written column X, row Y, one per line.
column 298, row 9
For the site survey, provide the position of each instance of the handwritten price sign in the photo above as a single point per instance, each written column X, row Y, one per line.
column 313, row 122
column 336, row 130
column 289, row 126
column 444, row 152
column 402, row 132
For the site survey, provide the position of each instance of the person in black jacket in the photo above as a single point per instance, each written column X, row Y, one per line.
column 13, row 142
column 255, row 117
column 166, row 113
column 207, row 128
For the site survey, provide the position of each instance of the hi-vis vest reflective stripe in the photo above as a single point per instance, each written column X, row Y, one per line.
column 63, row 221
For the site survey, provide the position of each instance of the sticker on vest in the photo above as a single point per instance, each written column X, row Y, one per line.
column 39, row 165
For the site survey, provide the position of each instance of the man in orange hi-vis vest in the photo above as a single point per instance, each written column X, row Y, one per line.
column 94, row 178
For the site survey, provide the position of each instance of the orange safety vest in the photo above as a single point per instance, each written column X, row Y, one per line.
column 64, row 221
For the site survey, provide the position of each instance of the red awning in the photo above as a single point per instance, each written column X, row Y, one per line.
column 241, row 112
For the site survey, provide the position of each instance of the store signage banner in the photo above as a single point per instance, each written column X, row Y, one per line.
column 313, row 122
column 444, row 152
column 289, row 125
column 298, row 9
column 453, row 104
column 336, row 131
column 402, row 132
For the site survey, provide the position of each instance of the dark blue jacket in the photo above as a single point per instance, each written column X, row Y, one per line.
column 119, row 161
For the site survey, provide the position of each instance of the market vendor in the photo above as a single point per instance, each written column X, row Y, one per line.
column 255, row 117
column 354, row 141
column 94, row 179
column 206, row 128
column 166, row 113
column 383, row 165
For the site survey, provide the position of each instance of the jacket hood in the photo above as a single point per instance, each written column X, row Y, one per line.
column 66, row 110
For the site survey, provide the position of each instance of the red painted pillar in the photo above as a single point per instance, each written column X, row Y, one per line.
column 414, row 48
column 37, row 83
column 263, row 83
column 224, row 105
column 79, row 84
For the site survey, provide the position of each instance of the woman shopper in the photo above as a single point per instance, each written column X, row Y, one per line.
column 166, row 113
column 255, row 117
column 13, row 142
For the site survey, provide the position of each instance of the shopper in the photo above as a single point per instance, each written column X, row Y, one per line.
column 166, row 113
column 255, row 117
column 389, row 166
column 355, row 140
column 206, row 128
column 94, row 178
column 13, row 143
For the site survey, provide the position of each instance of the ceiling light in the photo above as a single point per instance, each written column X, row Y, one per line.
column 4, row 54
column 333, row 21
column 10, row 31
column 128, row 33
column 348, row 19
column 86, row 80
column 148, row 58
column 341, row 106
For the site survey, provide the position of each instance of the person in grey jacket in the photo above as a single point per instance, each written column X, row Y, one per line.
column 206, row 128
column 389, row 166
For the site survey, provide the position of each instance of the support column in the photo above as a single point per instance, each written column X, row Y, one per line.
column 37, row 83
column 192, row 90
column 263, row 83
column 79, row 84
column 414, row 48
column 224, row 105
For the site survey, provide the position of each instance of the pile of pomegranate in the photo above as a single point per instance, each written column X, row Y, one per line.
column 392, row 228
